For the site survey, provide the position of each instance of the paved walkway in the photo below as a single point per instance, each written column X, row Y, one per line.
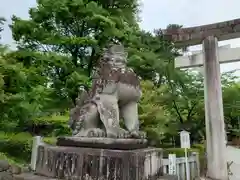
column 233, row 154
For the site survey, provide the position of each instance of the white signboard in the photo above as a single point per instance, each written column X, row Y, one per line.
column 172, row 164
column 185, row 139
column 185, row 143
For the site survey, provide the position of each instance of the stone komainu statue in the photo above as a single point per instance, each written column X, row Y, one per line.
column 114, row 94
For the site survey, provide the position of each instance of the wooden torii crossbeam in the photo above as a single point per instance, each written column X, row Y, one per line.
column 209, row 35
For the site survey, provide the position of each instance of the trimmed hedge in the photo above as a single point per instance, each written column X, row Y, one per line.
column 18, row 146
column 50, row 140
column 11, row 160
column 54, row 125
column 178, row 151
column 199, row 148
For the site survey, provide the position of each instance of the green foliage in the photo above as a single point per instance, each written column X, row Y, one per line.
column 178, row 151
column 12, row 144
column 11, row 160
column 58, row 49
column 55, row 125
column 231, row 101
column 50, row 140
column 70, row 35
column 152, row 115
column 185, row 101
column 2, row 20
column 201, row 148
column 151, row 56
column 22, row 94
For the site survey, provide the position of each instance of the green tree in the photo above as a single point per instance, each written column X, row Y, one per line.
column 70, row 36
column 154, row 117
column 22, row 93
column 2, row 20
column 231, row 102
column 151, row 56
column 184, row 99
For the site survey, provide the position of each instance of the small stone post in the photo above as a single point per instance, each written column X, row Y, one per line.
column 37, row 140
column 196, row 157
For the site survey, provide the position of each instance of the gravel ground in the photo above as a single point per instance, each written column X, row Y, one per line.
column 233, row 155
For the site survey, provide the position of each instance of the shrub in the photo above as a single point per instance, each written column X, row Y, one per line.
column 11, row 160
column 201, row 148
column 53, row 125
column 50, row 140
column 16, row 145
column 178, row 151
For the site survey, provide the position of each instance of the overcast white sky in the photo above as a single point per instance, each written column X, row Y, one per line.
column 156, row 14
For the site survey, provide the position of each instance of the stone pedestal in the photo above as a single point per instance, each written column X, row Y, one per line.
column 103, row 143
column 63, row 162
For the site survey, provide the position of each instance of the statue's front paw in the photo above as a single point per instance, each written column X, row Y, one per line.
column 93, row 132
column 96, row 132
column 111, row 134
column 142, row 134
column 123, row 134
column 138, row 134
column 117, row 132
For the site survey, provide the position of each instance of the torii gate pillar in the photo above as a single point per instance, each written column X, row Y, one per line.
column 209, row 35
column 214, row 117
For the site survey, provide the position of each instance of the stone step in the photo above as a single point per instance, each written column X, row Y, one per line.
column 32, row 176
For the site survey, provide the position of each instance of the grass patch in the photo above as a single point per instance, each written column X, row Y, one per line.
column 16, row 147
column 50, row 140
column 12, row 160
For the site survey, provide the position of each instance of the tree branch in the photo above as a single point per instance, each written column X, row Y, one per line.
column 190, row 111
